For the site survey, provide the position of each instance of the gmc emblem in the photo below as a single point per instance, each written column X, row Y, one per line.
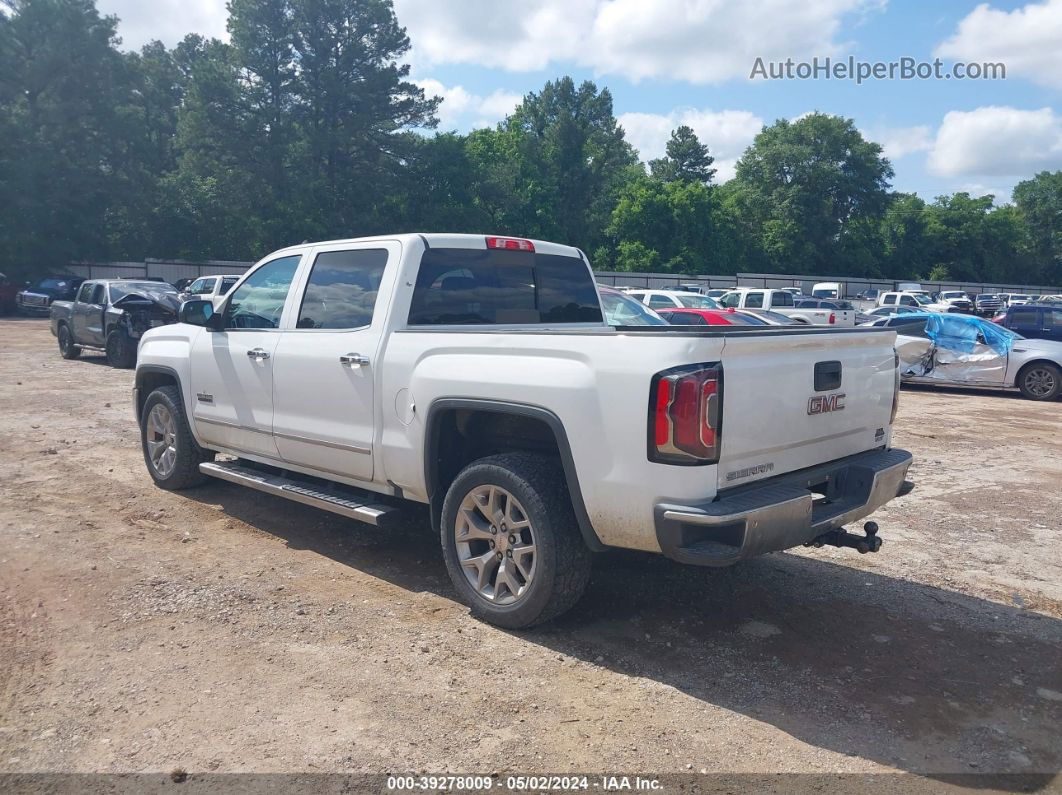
column 823, row 404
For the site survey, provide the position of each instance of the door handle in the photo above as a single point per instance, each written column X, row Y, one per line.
column 354, row 359
column 258, row 354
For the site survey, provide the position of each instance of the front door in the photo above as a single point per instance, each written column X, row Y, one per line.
column 88, row 313
column 232, row 369
column 326, row 362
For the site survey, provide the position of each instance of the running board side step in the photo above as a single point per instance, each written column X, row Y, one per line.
column 344, row 501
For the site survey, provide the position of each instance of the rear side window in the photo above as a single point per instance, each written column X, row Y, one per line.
column 908, row 328
column 85, row 296
column 1053, row 318
column 342, row 289
column 458, row 286
column 754, row 301
column 660, row 302
column 782, row 299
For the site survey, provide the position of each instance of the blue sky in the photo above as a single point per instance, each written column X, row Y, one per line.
column 668, row 62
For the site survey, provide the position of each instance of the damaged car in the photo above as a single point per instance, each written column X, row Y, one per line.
column 960, row 350
column 111, row 315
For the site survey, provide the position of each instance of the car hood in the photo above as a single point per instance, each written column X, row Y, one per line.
column 142, row 299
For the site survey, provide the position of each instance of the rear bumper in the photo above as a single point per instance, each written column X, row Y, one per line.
column 781, row 512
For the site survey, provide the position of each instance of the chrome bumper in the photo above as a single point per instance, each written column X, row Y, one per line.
column 781, row 512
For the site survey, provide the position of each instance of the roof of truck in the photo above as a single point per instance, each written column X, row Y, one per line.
column 444, row 240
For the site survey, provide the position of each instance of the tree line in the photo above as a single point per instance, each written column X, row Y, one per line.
column 306, row 126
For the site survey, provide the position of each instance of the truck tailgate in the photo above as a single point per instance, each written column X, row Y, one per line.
column 791, row 401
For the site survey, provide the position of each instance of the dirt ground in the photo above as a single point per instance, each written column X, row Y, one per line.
column 223, row 630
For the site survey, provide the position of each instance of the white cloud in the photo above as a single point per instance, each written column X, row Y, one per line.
column 726, row 133
column 997, row 142
column 461, row 109
column 700, row 41
column 901, row 141
column 1026, row 39
column 141, row 21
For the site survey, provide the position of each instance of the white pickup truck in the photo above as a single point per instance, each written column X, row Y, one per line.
column 477, row 377
column 783, row 302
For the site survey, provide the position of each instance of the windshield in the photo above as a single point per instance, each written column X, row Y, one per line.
column 53, row 284
column 622, row 310
column 822, row 292
column 120, row 290
column 697, row 301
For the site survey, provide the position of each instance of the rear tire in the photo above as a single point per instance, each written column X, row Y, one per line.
column 121, row 350
column 1040, row 381
column 551, row 566
column 67, row 348
column 171, row 453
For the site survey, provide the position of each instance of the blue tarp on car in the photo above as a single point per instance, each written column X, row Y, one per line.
column 955, row 332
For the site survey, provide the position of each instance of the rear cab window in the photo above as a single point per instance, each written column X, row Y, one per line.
column 460, row 286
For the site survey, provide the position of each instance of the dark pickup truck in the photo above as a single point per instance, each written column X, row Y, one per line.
column 111, row 315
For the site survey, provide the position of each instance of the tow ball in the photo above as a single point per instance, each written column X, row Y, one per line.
column 842, row 538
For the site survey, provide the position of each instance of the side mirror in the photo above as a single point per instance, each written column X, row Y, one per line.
column 200, row 313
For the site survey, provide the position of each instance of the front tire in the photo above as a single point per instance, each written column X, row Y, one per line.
column 1040, row 381
column 511, row 540
column 67, row 348
column 121, row 350
column 170, row 451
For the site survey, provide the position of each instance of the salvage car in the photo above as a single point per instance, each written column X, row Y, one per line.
column 477, row 378
column 37, row 299
column 111, row 315
column 960, row 350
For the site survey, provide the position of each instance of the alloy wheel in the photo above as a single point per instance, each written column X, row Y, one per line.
column 161, row 439
column 495, row 545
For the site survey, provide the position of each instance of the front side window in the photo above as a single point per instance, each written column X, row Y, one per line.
column 458, row 286
column 205, row 287
column 226, row 284
column 731, row 300
column 1053, row 318
column 259, row 302
column 342, row 288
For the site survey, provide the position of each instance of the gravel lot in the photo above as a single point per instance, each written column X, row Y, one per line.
column 223, row 630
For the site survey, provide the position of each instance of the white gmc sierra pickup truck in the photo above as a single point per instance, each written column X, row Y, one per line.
column 476, row 376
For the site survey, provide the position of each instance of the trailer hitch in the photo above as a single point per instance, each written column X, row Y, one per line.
column 842, row 538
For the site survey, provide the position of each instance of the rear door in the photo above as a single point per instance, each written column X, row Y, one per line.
column 791, row 401
column 1053, row 324
column 326, row 363
column 232, row 369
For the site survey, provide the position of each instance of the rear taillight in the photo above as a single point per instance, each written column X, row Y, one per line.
column 510, row 244
column 833, row 318
column 896, row 388
column 685, row 415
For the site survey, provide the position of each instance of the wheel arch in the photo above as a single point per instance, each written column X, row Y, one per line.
column 150, row 377
column 443, row 420
column 1024, row 368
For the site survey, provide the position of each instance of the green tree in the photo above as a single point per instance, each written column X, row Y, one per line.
column 686, row 159
column 808, row 184
column 62, row 87
column 571, row 158
column 1039, row 200
column 905, row 250
column 973, row 241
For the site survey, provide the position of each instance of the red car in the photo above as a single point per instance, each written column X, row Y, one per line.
column 709, row 317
